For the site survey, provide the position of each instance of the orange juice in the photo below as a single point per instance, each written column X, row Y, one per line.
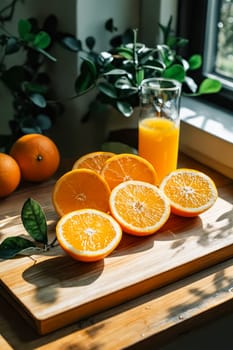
column 158, row 143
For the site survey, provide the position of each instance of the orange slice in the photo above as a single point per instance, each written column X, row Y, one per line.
column 124, row 167
column 93, row 160
column 140, row 208
column 88, row 234
column 189, row 191
column 79, row 189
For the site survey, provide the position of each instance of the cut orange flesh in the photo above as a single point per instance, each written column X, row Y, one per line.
column 93, row 160
column 140, row 208
column 124, row 167
column 189, row 191
column 79, row 189
column 88, row 234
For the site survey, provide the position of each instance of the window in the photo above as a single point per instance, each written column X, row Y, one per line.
column 206, row 122
column 208, row 24
column 218, row 48
column 224, row 55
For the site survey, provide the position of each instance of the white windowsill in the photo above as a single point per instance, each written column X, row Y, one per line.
column 207, row 134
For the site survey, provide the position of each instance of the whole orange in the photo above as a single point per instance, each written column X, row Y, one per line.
column 9, row 175
column 37, row 155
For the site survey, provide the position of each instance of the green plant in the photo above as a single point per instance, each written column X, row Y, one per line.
column 118, row 73
column 23, row 63
column 23, row 72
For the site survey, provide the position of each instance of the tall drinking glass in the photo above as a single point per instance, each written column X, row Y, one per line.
column 158, row 129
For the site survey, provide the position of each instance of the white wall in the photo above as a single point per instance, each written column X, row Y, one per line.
column 152, row 13
column 92, row 14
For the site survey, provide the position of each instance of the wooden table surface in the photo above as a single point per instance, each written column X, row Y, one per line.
column 153, row 318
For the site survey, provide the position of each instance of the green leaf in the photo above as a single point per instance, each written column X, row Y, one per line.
column 176, row 72
column 209, row 86
column 146, row 56
column 191, row 84
column 34, row 87
column 42, row 40
column 116, row 71
column 109, row 25
column 90, row 42
column 107, row 89
column 125, row 52
column 12, row 46
column 13, row 77
column 171, row 41
column 166, row 30
column 24, row 28
column 71, row 43
column 184, row 63
column 174, row 42
column 139, row 76
column 28, row 125
column 118, row 147
column 34, row 220
column 84, row 82
column 88, row 66
column 12, row 246
column 43, row 121
column 124, row 83
column 195, row 62
column 38, row 100
column 87, row 77
column 34, row 129
column 104, row 58
column 166, row 55
column 125, row 108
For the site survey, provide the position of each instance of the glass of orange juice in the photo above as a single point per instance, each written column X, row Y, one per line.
column 158, row 129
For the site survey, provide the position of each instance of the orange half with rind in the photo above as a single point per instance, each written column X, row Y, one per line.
column 94, row 160
column 190, row 192
column 80, row 189
column 124, row 167
column 88, row 235
column 140, row 208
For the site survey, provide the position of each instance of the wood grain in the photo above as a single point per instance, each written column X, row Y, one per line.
column 55, row 290
column 143, row 323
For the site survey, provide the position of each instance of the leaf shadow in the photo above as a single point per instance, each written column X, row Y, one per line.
column 8, row 221
column 198, row 296
column 50, row 275
column 132, row 244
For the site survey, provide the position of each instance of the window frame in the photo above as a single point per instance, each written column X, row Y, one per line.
column 194, row 30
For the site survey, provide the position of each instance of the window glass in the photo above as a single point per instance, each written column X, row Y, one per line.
column 224, row 54
column 208, row 25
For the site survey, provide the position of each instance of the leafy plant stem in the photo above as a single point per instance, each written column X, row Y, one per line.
column 135, row 54
column 11, row 7
column 52, row 244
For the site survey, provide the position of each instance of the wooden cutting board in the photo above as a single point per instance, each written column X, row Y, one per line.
column 53, row 290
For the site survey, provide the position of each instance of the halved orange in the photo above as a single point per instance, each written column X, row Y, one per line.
column 140, row 208
column 88, row 234
column 79, row 189
column 93, row 160
column 124, row 167
column 190, row 192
